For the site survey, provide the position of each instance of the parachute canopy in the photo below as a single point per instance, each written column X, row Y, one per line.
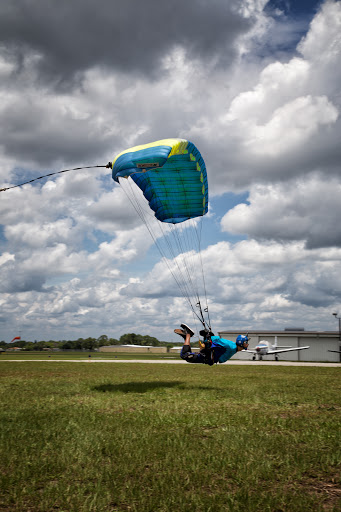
column 172, row 176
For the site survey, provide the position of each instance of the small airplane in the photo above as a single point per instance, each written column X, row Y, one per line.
column 265, row 348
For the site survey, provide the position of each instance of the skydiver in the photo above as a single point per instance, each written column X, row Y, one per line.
column 216, row 349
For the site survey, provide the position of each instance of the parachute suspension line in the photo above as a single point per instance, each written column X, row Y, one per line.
column 183, row 269
column 197, row 238
column 58, row 172
column 203, row 274
column 136, row 203
column 189, row 262
column 167, row 233
column 181, row 264
column 186, row 256
column 197, row 235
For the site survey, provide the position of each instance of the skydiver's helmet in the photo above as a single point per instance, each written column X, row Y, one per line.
column 241, row 339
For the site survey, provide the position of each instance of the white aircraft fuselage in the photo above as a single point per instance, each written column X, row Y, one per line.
column 265, row 348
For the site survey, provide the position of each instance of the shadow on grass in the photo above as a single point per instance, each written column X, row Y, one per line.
column 135, row 387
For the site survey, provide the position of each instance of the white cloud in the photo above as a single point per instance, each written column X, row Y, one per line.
column 38, row 235
column 291, row 126
column 279, row 115
column 283, row 121
column 6, row 257
column 278, row 82
column 113, row 211
column 255, row 284
column 303, row 209
column 322, row 44
column 127, row 246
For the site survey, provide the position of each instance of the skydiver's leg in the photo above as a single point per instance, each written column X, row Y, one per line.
column 200, row 357
column 189, row 356
column 186, row 351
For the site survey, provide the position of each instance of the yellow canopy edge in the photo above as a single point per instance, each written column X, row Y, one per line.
column 173, row 143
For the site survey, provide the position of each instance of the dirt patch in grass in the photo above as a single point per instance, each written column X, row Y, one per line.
column 328, row 491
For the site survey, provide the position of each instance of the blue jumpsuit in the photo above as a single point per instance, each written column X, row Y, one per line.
column 223, row 350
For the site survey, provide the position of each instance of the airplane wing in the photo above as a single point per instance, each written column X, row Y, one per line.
column 286, row 350
column 337, row 351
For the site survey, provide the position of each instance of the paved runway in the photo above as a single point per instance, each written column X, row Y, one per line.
column 173, row 361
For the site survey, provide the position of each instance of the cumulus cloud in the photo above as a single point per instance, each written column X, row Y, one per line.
column 303, row 209
column 113, row 211
column 131, row 36
column 6, row 257
column 323, row 41
column 285, row 120
column 291, row 125
column 252, row 283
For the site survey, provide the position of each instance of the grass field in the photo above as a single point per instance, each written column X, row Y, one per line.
column 70, row 354
column 135, row 437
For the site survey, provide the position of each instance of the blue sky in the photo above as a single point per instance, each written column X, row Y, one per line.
column 256, row 89
column 305, row 8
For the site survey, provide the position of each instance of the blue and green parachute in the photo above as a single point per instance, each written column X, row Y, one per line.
column 170, row 174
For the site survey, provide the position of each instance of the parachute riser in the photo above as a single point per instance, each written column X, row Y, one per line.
column 202, row 319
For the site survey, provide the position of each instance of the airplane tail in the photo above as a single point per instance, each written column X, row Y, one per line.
column 276, row 347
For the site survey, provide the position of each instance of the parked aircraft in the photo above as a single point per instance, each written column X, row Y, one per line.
column 265, row 348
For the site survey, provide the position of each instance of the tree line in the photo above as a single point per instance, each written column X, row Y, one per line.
column 88, row 343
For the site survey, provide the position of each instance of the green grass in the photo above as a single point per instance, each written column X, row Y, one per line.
column 34, row 355
column 166, row 438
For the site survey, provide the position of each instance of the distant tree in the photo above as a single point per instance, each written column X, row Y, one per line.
column 78, row 344
column 139, row 339
column 90, row 344
column 113, row 341
column 129, row 339
column 30, row 345
column 68, row 345
column 103, row 340
column 150, row 340
column 18, row 343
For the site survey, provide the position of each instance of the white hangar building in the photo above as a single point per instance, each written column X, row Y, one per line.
column 320, row 342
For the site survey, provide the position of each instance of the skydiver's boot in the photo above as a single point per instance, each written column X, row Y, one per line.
column 180, row 332
column 187, row 330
